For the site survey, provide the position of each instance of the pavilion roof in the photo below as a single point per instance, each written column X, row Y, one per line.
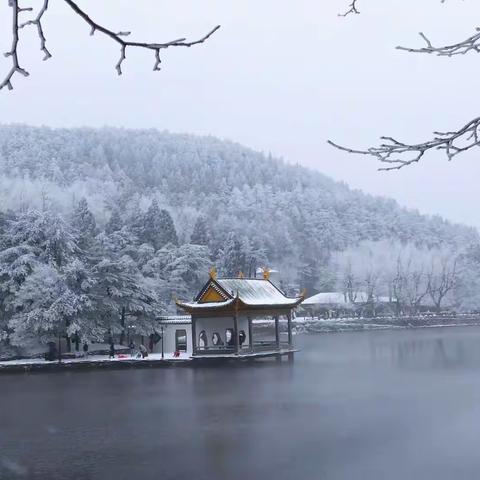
column 241, row 293
column 255, row 291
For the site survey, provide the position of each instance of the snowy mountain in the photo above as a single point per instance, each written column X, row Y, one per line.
column 294, row 215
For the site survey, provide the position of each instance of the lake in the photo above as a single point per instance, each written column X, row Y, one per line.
column 396, row 404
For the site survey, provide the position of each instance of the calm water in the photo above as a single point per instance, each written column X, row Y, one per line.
column 371, row 405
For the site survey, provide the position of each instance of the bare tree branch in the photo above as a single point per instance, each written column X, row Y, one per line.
column 118, row 37
column 16, row 68
column 352, row 9
column 471, row 44
column 38, row 22
column 398, row 154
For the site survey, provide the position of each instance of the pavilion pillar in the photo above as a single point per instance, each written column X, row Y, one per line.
column 194, row 336
column 277, row 332
column 289, row 325
column 250, row 333
column 235, row 333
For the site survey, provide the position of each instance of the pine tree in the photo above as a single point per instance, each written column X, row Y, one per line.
column 255, row 257
column 158, row 227
column 38, row 257
column 114, row 223
column 45, row 234
column 84, row 224
column 200, row 234
column 152, row 226
column 178, row 271
column 169, row 234
column 119, row 288
column 231, row 258
column 48, row 306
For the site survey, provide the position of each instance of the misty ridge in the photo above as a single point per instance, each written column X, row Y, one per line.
column 103, row 225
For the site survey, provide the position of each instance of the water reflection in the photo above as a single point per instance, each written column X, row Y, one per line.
column 427, row 351
column 366, row 405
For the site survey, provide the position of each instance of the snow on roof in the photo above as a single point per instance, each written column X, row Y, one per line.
column 175, row 319
column 255, row 291
column 197, row 305
column 335, row 298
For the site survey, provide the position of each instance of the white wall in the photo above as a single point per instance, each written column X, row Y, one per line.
column 219, row 325
column 169, row 338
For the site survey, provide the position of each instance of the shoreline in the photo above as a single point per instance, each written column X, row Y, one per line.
column 85, row 363
column 304, row 326
column 153, row 361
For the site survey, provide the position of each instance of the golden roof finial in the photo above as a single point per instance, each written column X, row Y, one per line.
column 213, row 273
column 266, row 273
column 240, row 274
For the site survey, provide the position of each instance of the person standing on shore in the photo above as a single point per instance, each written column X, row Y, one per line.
column 112, row 351
column 143, row 351
column 85, row 349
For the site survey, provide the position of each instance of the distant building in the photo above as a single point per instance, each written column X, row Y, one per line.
column 340, row 304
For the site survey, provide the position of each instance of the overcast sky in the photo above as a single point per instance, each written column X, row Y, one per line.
column 280, row 76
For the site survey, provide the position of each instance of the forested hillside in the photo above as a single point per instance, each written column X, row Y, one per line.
column 101, row 226
column 297, row 216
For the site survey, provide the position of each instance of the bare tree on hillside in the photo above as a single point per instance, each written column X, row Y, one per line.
column 397, row 154
column 399, row 287
column 417, row 289
column 119, row 37
column 442, row 279
column 350, row 284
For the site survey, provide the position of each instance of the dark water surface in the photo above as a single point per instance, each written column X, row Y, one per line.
column 399, row 404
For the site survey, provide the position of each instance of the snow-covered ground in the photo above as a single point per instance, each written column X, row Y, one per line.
column 321, row 325
column 97, row 359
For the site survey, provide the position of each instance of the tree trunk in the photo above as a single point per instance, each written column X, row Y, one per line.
column 67, row 337
column 122, row 322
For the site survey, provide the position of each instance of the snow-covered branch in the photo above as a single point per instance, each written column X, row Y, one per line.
column 399, row 154
column 118, row 37
column 352, row 9
column 471, row 44
column 13, row 54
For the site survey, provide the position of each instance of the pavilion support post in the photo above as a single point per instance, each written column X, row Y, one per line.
column 250, row 333
column 235, row 333
column 194, row 336
column 277, row 332
column 289, row 327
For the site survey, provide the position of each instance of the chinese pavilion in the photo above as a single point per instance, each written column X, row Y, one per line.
column 222, row 315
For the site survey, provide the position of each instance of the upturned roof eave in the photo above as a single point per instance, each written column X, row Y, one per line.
column 236, row 304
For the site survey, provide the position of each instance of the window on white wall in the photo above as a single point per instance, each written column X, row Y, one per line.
column 202, row 339
column 217, row 339
column 181, row 340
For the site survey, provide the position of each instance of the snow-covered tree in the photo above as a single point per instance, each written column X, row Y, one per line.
column 158, row 228
column 200, row 234
column 179, row 271
column 84, row 225
column 47, row 306
column 114, row 223
column 46, row 233
column 120, row 292
column 231, row 258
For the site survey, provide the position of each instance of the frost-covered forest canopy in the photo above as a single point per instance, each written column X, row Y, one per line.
column 99, row 226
